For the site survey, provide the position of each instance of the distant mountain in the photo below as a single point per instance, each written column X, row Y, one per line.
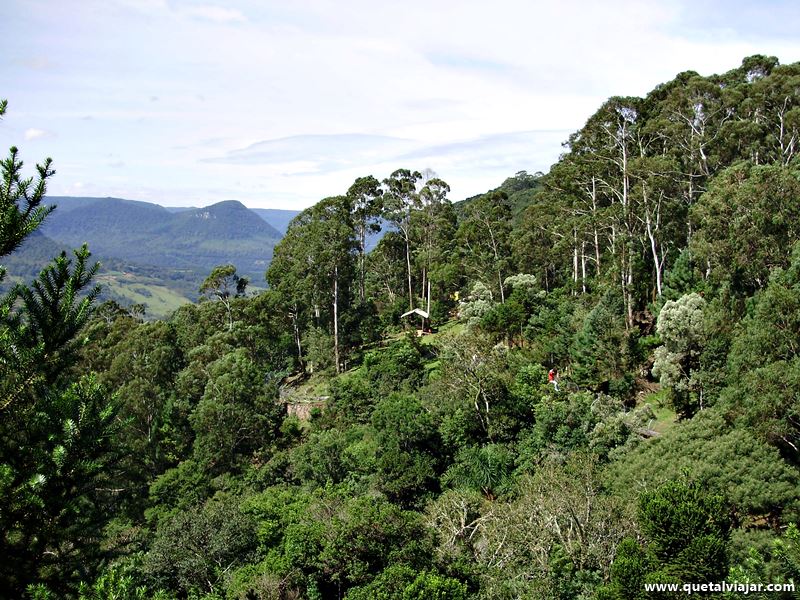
column 67, row 203
column 276, row 217
column 149, row 234
column 227, row 220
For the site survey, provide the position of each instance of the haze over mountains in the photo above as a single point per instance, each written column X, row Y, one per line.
column 155, row 255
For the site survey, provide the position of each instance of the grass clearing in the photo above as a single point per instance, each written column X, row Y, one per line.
column 159, row 300
column 666, row 417
column 451, row 327
column 311, row 389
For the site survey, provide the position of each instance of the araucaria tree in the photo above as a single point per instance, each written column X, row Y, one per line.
column 56, row 447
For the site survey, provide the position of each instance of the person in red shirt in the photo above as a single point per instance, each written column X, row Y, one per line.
column 552, row 377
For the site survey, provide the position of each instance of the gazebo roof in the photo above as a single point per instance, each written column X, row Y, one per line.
column 416, row 311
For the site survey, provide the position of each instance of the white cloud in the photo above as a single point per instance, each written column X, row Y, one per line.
column 329, row 150
column 34, row 134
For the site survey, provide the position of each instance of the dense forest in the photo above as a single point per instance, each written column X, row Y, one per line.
column 381, row 424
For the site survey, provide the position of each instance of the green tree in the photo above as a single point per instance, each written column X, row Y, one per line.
column 386, row 276
column 117, row 582
column 681, row 328
column 56, row 453
column 224, row 284
column 400, row 200
column 142, row 368
column 567, row 221
column 57, row 467
column 196, row 550
column 764, row 363
column 486, row 469
column 475, row 379
column 237, row 415
column 508, row 320
column 485, row 235
column 367, row 536
column 312, row 268
column 328, row 457
column 776, row 99
column 431, row 586
column 407, row 444
column 366, row 199
column 614, row 136
column 686, row 532
column 21, row 199
column 599, row 348
column 434, row 225
column 757, row 483
column 746, row 225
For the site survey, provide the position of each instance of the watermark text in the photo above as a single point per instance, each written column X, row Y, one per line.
column 721, row 587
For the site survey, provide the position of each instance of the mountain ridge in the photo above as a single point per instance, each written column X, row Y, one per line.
column 151, row 254
column 150, row 234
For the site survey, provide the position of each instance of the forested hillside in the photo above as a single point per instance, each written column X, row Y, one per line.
column 577, row 384
column 149, row 234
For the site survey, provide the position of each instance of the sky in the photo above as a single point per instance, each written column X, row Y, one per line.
column 280, row 104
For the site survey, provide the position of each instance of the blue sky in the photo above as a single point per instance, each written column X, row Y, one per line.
column 279, row 104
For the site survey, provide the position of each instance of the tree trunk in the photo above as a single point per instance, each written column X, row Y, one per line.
column 428, row 309
column 293, row 316
column 596, row 253
column 594, row 227
column 574, row 262
column 336, row 317
column 425, row 282
column 408, row 269
column 583, row 267
column 657, row 261
column 230, row 314
column 652, row 226
column 629, row 293
column 497, row 262
column 362, row 262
